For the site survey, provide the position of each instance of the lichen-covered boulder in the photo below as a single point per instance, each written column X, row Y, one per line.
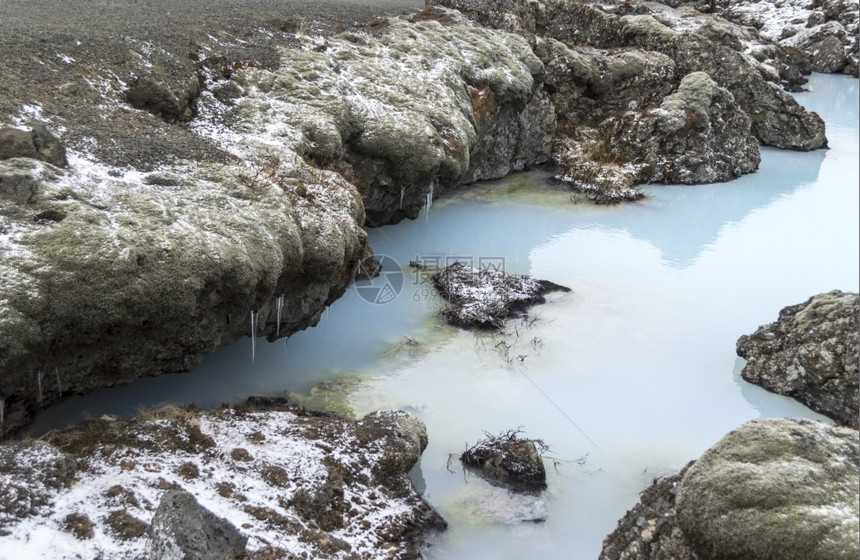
column 649, row 531
column 810, row 353
column 783, row 489
column 484, row 298
column 696, row 135
column 507, row 460
column 109, row 278
column 182, row 529
column 408, row 110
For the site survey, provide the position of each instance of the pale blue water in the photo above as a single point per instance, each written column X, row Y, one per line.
column 634, row 370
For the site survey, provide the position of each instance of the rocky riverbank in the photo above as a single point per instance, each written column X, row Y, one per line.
column 221, row 169
column 777, row 488
column 284, row 482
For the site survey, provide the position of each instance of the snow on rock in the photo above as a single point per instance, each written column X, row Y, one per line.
column 484, row 298
column 146, row 271
column 294, row 483
column 610, row 63
column 825, row 31
column 397, row 106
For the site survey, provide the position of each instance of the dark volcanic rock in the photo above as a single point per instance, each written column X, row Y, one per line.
column 810, row 353
column 485, row 298
column 695, row 42
column 650, row 531
column 509, row 461
column 39, row 143
column 824, row 31
column 183, row 529
column 696, row 135
column 171, row 104
column 782, row 489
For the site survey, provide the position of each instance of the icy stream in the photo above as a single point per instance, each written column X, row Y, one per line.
column 628, row 377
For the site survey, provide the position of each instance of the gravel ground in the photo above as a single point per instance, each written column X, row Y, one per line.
column 68, row 63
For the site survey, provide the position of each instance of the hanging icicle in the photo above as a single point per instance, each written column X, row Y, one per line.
column 59, row 387
column 429, row 202
column 402, row 192
column 39, row 384
column 2, row 417
column 280, row 306
column 253, row 336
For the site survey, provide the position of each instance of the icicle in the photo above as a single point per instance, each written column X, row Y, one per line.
column 2, row 416
column 59, row 387
column 402, row 192
column 286, row 340
column 429, row 201
column 39, row 383
column 280, row 306
column 253, row 335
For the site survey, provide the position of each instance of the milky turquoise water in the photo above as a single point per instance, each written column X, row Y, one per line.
column 629, row 376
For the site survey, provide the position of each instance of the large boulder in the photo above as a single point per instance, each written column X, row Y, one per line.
column 183, row 529
column 696, row 135
column 810, row 353
column 187, row 260
column 39, row 143
column 649, row 531
column 783, row 489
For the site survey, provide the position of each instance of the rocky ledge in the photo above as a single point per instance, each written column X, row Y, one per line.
column 249, row 221
column 782, row 489
column 632, row 102
column 292, row 484
column 811, row 353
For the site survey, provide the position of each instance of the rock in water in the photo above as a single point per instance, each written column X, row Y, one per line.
column 509, row 461
column 781, row 489
column 650, row 531
column 182, row 529
column 485, row 298
column 810, row 353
